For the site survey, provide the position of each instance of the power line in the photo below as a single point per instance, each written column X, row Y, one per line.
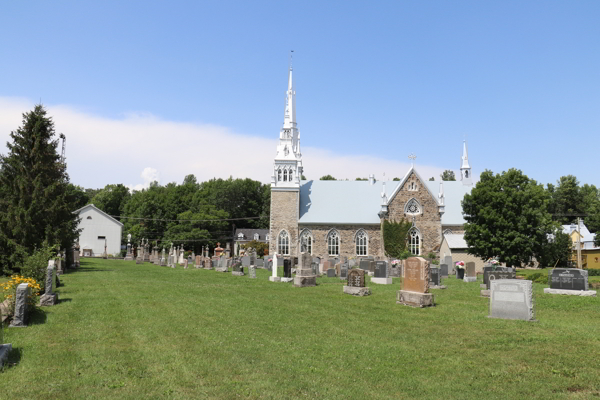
column 189, row 220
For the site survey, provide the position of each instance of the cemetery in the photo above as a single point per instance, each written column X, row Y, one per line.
column 111, row 317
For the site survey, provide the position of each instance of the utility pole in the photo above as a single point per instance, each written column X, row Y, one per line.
column 578, row 243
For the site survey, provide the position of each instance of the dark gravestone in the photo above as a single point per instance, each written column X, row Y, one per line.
column 568, row 279
column 444, row 270
column 435, row 277
column 492, row 276
column 344, row 271
column 488, row 269
column 381, row 269
column 269, row 264
column 316, row 260
column 287, row 268
column 331, row 273
column 364, row 265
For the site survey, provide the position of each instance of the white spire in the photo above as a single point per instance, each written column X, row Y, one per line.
column 465, row 169
column 465, row 156
column 287, row 169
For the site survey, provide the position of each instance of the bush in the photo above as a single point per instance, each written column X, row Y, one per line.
column 35, row 265
column 394, row 238
column 539, row 277
column 593, row 272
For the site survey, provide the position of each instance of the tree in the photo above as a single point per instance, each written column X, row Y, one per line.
column 112, row 199
column 394, row 238
column 507, row 217
column 302, row 177
column 556, row 252
column 357, row 179
column 431, row 179
column 448, row 175
column 35, row 197
column 327, row 178
column 396, row 179
column 566, row 199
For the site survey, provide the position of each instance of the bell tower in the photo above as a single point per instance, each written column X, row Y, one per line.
column 285, row 181
column 465, row 168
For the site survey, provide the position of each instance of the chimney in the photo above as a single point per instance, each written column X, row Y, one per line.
column 372, row 179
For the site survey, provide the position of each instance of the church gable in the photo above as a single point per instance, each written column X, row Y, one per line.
column 412, row 198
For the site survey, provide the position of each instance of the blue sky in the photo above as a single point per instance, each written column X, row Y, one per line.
column 148, row 90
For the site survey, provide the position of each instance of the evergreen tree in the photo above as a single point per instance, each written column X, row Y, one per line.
column 35, row 197
column 448, row 175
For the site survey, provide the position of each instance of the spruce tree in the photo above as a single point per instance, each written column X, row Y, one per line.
column 34, row 197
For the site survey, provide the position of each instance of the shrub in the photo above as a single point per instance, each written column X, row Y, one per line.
column 394, row 238
column 9, row 291
column 539, row 277
column 593, row 272
column 35, row 265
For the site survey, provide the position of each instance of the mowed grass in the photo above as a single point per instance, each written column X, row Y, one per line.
column 127, row 331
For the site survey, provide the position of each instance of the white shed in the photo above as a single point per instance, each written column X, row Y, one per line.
column 98, row 228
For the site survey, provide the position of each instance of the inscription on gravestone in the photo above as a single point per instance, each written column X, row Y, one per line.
column 381, row 269
column 435, row 277
column 331, row 273
column 500, row 275
column 287, row 268
column 356, row 278
column 416, row 275
column 568, row 279
column 511, row 299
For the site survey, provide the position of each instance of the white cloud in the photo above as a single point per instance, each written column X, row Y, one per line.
column 103, row 151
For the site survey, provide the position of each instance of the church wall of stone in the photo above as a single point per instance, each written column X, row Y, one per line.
column 284, row 215
column 347, row 234
column 428, row 222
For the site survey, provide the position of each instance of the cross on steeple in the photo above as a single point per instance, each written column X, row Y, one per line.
column 412, row 158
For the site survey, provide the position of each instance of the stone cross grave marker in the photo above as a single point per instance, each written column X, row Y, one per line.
column 512, row 299
column 415, row 292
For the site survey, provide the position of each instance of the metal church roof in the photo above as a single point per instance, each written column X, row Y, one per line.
column 454, row 192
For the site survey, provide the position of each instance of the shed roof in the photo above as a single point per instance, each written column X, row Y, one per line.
column 78, row 211
column 456, row 240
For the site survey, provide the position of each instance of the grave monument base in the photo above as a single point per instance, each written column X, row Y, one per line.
column 48, row 300
column 587, row 293
column 482, row 286
column 370, row 273
column 275, row 279
column 237, row 273
column 438, row 287
column 357, row 291
column 305, row 281
column 382, row 281
column 128, row 258
column 4, row 350
column 485, row 293
column 221, row 269
column 470, row 279
column 414, row 299
column 287, row 279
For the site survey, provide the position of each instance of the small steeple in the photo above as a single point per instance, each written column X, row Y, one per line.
column 465, row 169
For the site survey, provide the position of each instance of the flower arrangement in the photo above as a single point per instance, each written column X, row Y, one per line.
column 460, row 264
column 395, row 262
column 9, row 290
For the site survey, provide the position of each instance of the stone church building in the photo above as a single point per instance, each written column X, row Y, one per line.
column 344, row 218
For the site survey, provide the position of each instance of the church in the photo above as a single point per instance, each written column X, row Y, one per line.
column 345, row 218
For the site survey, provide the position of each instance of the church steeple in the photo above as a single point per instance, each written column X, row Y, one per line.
column 287, row 169
column 465, row 168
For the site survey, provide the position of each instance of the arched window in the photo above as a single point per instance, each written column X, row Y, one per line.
column 89, row 217
column 333, row 243
column 256, row 236
column 361, row 240
column 412, row 207
column 466, row 174
column 291, row 175
column 285, row 175
column 414, row 241
column 279, row 175
column 306, row 240
column 283, row 243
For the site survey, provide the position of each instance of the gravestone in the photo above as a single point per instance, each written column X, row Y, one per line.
column 506, row 273
column 21, row 308
column 268, row 264
column 488, row 269
column 274, row 269
column 381, row 273
column 444, row 270
column 287, row 271
column 208, row 263
column 511, row 299
column 260, row 263
column 435, row 278
column 316, row 260
column 221, row 264
column 198, row 262
column 344, row 272
column 569, row 281
column 450, row 264
column 315, row 268
column 415, row 292
column 280, row 261
column 246, row 261
column 305, row 275
column 470, row 273
column 326, row 266
column 364, row 264
column 252, row 258
column 356, row 283
column 331, row 273
column 252, row 271
column 237, row 269
column 185, row 263
column 49, row 298
column 352, row 263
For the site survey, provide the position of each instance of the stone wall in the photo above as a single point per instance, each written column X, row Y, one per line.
column 461, row 255
column 428, row 222
column 284, row 215
column 347, row 244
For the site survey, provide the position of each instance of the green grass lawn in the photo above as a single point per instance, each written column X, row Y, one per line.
column 133, row 331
